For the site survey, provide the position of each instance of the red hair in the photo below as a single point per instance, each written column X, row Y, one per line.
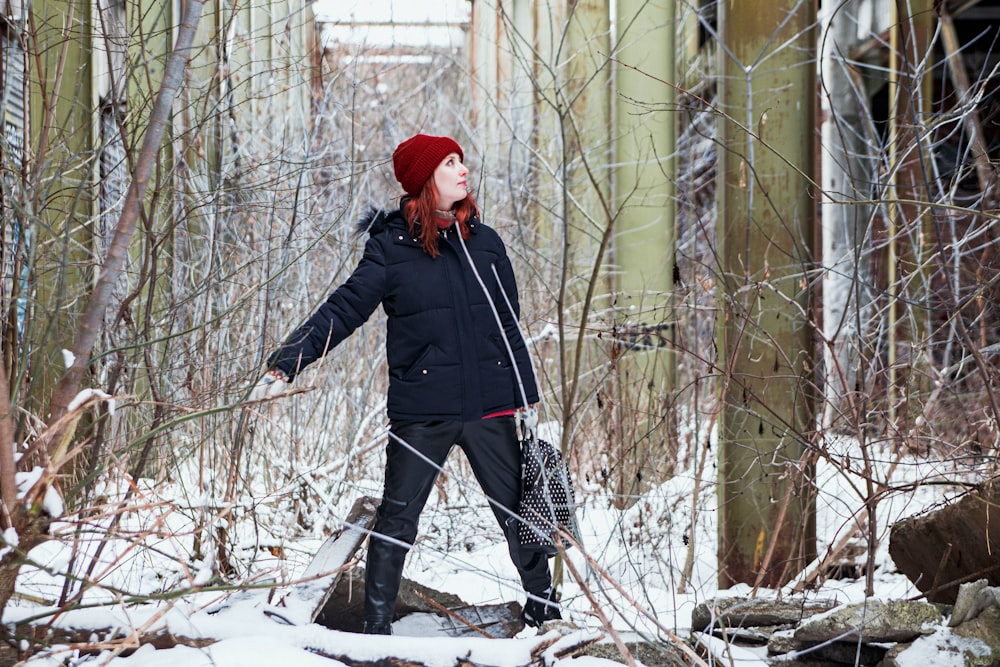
column 424, row 207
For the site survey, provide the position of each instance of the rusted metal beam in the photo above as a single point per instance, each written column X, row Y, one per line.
column 766, row 191
column 643, row 250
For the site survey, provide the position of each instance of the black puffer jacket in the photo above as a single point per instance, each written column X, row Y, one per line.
column 446, row 355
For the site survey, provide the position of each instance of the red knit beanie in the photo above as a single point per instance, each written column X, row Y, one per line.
column 415, row 160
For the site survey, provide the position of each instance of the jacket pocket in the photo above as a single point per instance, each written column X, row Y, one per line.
column 420, row 365
column 500, row 350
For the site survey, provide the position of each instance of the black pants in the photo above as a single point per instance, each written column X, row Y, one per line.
column 414, row 456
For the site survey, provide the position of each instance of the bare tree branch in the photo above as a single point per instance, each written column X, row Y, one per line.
column 100, row 298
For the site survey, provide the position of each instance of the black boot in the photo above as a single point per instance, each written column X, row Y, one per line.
column 541, row 607
column 383, row 571
column 378, row 626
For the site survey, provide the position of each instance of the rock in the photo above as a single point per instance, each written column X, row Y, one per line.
column 743, row 612
column 973, row 598
column 758, row 635
column 986, row 628
column 781, row 642
column 844, row 653
column 659, row 653
column 977, row 642
column 941, row 549
column 875, row 621
column 783, row 646
column 965, row 601
column 890, row 659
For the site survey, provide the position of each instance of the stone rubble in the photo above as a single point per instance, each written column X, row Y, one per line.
column 799, row 632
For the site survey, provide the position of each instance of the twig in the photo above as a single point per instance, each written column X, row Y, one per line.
column 779, row 522
column 941, row 565
column 444, row 610
column 605, row 621
column 677, row 641
column 695, row 495
column 832, row 553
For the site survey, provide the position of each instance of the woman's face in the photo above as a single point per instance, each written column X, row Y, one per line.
column 450, row 181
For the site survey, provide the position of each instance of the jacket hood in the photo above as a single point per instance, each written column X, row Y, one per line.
column 375, row 220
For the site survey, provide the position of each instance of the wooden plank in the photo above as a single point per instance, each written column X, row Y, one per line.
column 302, row 602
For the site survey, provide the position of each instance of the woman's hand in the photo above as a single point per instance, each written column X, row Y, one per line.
column 527, row 420
column 274, row 383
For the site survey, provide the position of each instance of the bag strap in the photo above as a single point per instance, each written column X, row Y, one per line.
column 496, row 316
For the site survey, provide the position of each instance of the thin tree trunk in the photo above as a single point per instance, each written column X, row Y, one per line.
column 8, row 483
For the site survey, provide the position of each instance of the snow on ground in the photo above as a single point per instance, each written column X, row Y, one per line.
column 631, row 564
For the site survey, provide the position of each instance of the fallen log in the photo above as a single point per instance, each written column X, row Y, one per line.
column 381, row 662
column 536, row 655
column 92, row 641
column 436, row 611
column 346, row 648
column 744, row 612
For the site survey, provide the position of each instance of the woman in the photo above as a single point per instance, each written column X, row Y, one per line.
column 451, row 377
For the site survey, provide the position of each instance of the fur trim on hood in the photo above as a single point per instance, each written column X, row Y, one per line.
column 373, row 221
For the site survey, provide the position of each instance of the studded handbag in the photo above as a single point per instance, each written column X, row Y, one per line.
column 547, row 511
